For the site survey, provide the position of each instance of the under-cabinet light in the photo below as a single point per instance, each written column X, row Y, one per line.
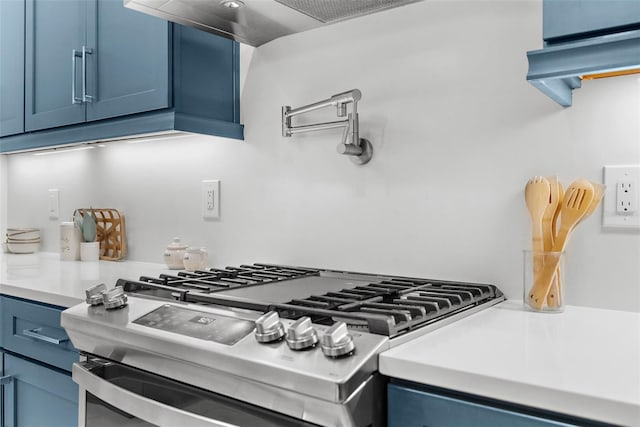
column 62, row 150
column 610, row 74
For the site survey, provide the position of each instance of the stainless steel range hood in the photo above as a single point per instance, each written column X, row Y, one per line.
column 256, row 22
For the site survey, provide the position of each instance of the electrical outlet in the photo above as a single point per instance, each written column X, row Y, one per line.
column 620, row 204
column 210, row 199
column 54, row 203
column 626, row 198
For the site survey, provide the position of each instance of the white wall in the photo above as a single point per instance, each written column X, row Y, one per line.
column 457, row 132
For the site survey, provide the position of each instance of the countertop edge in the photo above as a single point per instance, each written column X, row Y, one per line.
column 38, row 295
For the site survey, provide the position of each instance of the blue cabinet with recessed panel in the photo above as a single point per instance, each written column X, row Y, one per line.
column 95, row 70
column 92, row 59
column 570, row 19
column 35, row 366
column 417, row 405
column 11, row 67
column 584, row 39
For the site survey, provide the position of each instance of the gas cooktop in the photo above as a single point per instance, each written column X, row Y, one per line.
column 379, row 304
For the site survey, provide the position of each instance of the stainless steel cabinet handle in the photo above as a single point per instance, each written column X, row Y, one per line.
column 5, row 380
column 36, row 334
column 74, row 55
column 85, row 51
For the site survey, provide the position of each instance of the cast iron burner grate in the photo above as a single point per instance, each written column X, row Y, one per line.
column 179, row 286
column 390, row 307
column 385, row 305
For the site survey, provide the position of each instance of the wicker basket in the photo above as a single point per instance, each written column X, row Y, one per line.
column 111, row 233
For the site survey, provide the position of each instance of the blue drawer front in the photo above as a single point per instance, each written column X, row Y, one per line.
column 32, row 330
column 415, row 408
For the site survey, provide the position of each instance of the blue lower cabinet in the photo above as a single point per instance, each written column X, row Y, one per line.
column 37, row 395
column 2, row 381
column 409, row 407
column 35, row 366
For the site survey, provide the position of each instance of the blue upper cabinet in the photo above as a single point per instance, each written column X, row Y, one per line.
column 584, row 39
column 92, row 59
column 11, row 67
column 54, row 30
column 95, row 70
column 128, row 69
column 566, row 19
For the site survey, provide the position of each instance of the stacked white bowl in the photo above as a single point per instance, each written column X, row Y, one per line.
column 23, row 240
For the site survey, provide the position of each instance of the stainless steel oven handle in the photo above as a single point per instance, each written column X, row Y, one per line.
column 141, row 407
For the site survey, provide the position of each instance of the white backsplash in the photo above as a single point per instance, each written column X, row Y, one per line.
column 456, row 129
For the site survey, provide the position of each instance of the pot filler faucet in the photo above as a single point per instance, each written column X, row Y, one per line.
column 359, row 149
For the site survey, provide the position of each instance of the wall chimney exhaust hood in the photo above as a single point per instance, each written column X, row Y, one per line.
column 255, row 22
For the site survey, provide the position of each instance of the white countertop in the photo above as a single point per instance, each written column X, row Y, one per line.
column 43, row 277
column 583, row 362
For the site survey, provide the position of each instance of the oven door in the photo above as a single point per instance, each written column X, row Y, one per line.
column 112, row 394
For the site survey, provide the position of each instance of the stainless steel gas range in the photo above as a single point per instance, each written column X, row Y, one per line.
column 255, row 345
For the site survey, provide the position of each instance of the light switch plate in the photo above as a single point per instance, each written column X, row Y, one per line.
column 54, row 203
column 620, row 204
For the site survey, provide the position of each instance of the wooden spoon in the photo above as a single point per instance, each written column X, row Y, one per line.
column 536, row 194
column 549, row 221
column 576, row 203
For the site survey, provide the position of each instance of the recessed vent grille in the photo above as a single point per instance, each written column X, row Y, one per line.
column 328, row 11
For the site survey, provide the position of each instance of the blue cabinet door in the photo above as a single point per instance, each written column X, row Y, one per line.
column 566, row 18
column 129, row 69
column 408, row 407
column 2, row 380
column 11, row 67
column 38, row 396
column 54, row 29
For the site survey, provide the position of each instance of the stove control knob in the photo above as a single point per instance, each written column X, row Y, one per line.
column 301, row 335
column 114, row 298
column 94, row 294
column 336, row 341
column 269, row 328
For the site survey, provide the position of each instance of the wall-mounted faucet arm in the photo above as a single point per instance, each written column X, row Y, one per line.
column 338, row 100
column 359, row 149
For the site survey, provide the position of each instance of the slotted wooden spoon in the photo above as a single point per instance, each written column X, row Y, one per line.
column 598, row 193
column 554, row 298
column 576, row 203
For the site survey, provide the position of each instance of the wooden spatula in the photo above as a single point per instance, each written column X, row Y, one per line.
column 576, row 203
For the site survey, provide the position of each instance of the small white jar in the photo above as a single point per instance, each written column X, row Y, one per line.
column 195, row 259
column 174, row 253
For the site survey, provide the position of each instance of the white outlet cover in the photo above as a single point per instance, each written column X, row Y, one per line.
column 612, row 175
column 210, row 196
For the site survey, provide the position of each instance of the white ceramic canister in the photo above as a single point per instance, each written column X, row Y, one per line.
column 90, row 251
column 195, row 259
column 69, row 241
column 174, row 253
